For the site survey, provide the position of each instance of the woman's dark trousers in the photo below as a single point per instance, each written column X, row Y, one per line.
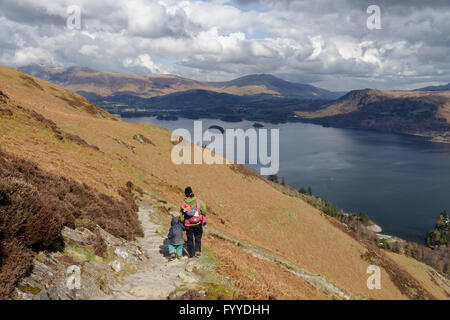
column 194, row 239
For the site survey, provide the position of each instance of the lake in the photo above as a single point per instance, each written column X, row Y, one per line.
column 402, row 182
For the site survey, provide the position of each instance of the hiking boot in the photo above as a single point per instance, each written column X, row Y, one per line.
column 198, row 254
column 173, row 256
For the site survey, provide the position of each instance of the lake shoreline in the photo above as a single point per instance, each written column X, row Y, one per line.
column 433, row 137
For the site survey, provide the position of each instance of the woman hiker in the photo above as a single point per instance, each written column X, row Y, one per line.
column 192, row 216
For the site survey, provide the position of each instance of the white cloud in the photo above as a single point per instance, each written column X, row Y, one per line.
column 153, row 20
column 90, row 51
column 144, row 60
column 317, row 43
column 28, row 55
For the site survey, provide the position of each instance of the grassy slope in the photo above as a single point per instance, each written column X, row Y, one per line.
column 246, row 204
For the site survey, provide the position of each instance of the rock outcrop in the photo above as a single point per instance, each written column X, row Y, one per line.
column 76, row 272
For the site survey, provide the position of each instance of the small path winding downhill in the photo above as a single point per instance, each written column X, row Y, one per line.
column 159, row 276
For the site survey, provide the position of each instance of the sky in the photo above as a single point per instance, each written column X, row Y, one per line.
column 324, row 43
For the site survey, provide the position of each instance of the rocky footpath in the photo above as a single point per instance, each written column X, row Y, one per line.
column 160, row 277
column 123, row 270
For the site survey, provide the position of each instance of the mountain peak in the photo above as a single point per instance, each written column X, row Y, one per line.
column 269, row 84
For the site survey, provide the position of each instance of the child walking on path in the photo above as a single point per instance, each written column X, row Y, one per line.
column 176, row 238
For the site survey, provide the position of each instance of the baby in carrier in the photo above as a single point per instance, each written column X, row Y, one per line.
column 193, row 214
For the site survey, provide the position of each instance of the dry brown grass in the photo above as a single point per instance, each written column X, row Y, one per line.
column 259, row 279
column 434, row 284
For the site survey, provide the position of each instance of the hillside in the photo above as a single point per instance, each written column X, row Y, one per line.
column 109, row 83
column 424, row 113
column 266, row 242
column 269, row 84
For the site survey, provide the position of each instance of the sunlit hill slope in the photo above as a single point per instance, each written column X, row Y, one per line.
column 424, row 113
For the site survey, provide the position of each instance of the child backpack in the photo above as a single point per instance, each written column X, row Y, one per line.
column 193, row 215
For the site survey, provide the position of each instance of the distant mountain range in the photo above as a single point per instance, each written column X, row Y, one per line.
column 435, row 88
column 109, row 83
column 259, row 97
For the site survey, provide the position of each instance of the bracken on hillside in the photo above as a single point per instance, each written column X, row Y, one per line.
column 34, row 207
